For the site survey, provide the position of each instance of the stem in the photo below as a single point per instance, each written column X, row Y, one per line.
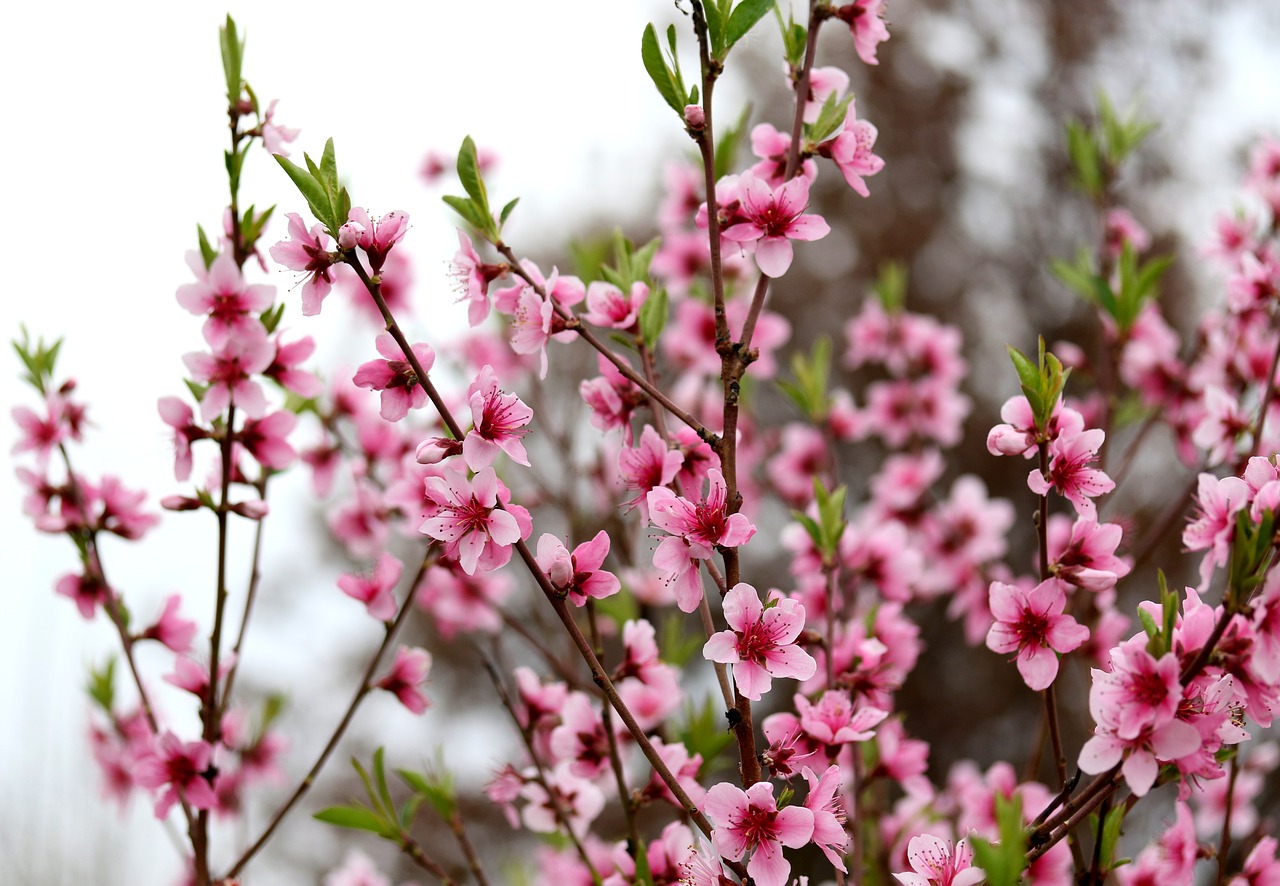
column 1224, row 843
column 468, row 849
column 615, row 761
column 707, row 148
column 410, row 847
column 366, row 686
column 1055, row 735
column 255, row 576
column 1267, row 394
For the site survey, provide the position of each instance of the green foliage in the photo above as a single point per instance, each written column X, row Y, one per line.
column 703, row 730
column 729, row 142
column 618, row 608
column 891, row 286
column 812, row 374
column 475, row 206
column 794, row 38
column 207, row 253
column 38, row 359
column 325, row 196
column 102, row 685
column 1251, row 552
column 1097, row 150
column 743, row 18
column 830, row 119
column 1137, row 283
column 1005, row 859
column 664, row 69
column 1041, row 382
column 379, row 814
column 232, row 46
column 830, row 524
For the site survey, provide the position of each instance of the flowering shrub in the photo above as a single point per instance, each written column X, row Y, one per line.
column 673, row 497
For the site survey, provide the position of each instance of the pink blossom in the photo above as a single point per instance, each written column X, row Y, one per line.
column 181, row 769
column 1141, row 755
column 761, row 642
column 696, row 528
column 833, row 721
column 400, row 386
column 266, row 439
column 308, row 251
column 473, row 277
column 828, row 814
column 274, row 136
column 376, row 238
column 750, row 821
column 466, row 518
column 1086, row 559
column 361, row 522
column 499, row 421
column 284, row 367
column 683, row 766
column 375, row 591
column 937, row 863
column 458, row 602
column 1121, row 228
column 580, row 739
column 533, row 324
column 1069, row 457
column 647, row 466
column 87, row 591
column 174, row 632
column 608, row 307
column 1139, row 690
column 227, row 373
column 41, row 435
column 178, row 415
column 121, row 509
column 407, row 676
column 865, row 19
column 579, row 800
column 851, row 151
column 357, row 870
column 578, row 575
column 1261, row 868
column 1032, row 624
column 773, row 220
column 221, row 293
column 1217, row 501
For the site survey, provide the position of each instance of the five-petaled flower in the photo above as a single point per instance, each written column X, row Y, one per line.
column 773, row 219
column 750, row 821
column 761, row 645
column 1033, row 624
column 464, row 514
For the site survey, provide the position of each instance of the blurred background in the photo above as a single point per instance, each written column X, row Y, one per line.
column 116, row 128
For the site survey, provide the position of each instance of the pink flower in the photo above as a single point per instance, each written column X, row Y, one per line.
column 761, row 644
column 181, row 770
column 1122, row 228
column 174, row 632
column 937, row 863
column 1032, row 624
column 750, row 821
column 41, row 435
column 310, row 252
column 499, row 421
column 774, row 219
column 850, row 150
column 357, row 870
column 580, row 738
column 221, row 293
column 1261, row 868
column 375, row 237
column 375, row 591
column 833, row 721
column 178, row 415
column 828, row 814
column 275, row 136
column 466, row 518
column 473, row 277
column 395, row 378
column 578, row 575
column 608, row 307
column 227, row 372
column 284, row 367
column 647, row 466
column 407, row 675
column 1069, row 457
column 87, row 592
column 696, row 528
column 266, row 439
column 865, row 19
column 1087, row 559
column 460, row 602
column 1141, row 755
column 1138, row 692
column 579, row 800
column 1218, row 501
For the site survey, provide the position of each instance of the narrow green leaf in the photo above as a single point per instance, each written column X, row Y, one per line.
column 729, row 142
column 830, row 118
column 659, row 73
column 232, row 48
column 744, row 18
column 715, row 11
column 469, row 174
column 1028, row 372
column 467, row 209
column 355, row 817
column 1111, row 835
column 380, row 780
column 102, row 685
column 653, row 316
column 312, row 192
column 207, row 253
column 506, row 210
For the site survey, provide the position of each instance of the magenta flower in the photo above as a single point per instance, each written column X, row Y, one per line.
column 1032, row 624
column 87, row 592
column 499, row 421
column 850, row 150
column 375, row 591
column 1218, row 501
column 750, row 821
column 267, row 439
column 174, row 632
column 41, row 435
column 464, row 515
column 761, row 644
column 1138, row 691
column 647, row 466
column 284, row 367
column 1087, row 559
column 580, row 739
column 178, row 415
column 375, row 237
column 308, row 251
column 221, row 293
column 865, row 19
column 407, row 675
column 696, row 528
column 180, row 769
column 774, row 219
column 937, row 863
column 828, row 814
column 833, row 721
column 1070, row 454
column 395, row 378
column 578, row 575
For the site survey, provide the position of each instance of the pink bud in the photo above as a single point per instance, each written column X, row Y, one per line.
column 437, row 449
column 349, row 235
column 179, row 503
column 694, row 117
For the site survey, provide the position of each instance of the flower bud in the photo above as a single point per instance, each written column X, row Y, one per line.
column 694, row 117
column 437, row 449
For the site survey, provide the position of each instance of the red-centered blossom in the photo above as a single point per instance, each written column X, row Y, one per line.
column 1217, row 502
column 284, row 367
column 1261, row 868
column 375, row 237
column 473, row 277
column 499, row 421
column 612, row 399
column 87, row 592
column 828, row 814
column 1121, row 228
column 648, row 685
column 174, row 632
column 865, row 19
column 375, row 591
column 1141, row 755
column 683, row 766
column 773, row 219
column 181, row 770
column 607, row 306
column 580, row 739
column 465, row 516
column 178, row 415
column 938, row 863
column 40, row 435
column 761, row 644
column 1138, row 691
column 833, row 721
column 309, row 251
column 648, row 465
column 1070, row 455
column 361, row 523
column 750, row 821
column 121, row 509
column 221, row 293
column 1032, row 624
column 697, row 529
column 1087, row 558
column 407, row 676
column 227, row 373
column 401, row 388
column 851, row 151
column 267, row 439
column 578, row 800
column 578, row 575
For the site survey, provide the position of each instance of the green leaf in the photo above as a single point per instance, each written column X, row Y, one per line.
column 469, row 174
column 380, row 780
column 715, row 12
column 744, row 18
column 312, row 191
column 506, row 210
column 357, row 818
column 207, row 253
column 830, row 118
column 102, row 685
column 618, row 608
column 1111, row 835
column 1078, row 276
column 728, row 144
column 1083, row 150
column 232, row 58
column 891, row 286
column 653, row 317
column 466, row 208
column 651, row 54
column 1028, row 372
column 704, row 729
column 1005, row 860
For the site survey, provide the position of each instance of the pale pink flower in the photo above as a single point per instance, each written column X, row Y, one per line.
column 308, row 251
column 1087, row 558
column 829, row 834
column 375, row 591
column 284, row 367
column 938, row 863
column 458, row 602
column 1120, row 228
column 851, row 151
column 648, row 465
column 407, row 676
column 580, row 739
column 773, row 220
column 467, row 519
column 761, row 642
column 375, row 237
column 833, row 721
column 865, row 19
column 1217, row 502
column 401, row 388
column 683, row 766
column 181, row 769
column 473, row 276
column 357, row 870
column 87, row 592
column 1141, row 755
column 275, row 136
column 1032, row 624
column 221, row 293
column 227, row 373
column 499, row 421
column 579, row 800
column 608, row 307
column 750, row 821
column 696, row 528
column 178, row 415
column 174, row 632
column 578, row 575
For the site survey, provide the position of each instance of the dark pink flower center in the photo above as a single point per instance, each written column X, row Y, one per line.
column 759, row 825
